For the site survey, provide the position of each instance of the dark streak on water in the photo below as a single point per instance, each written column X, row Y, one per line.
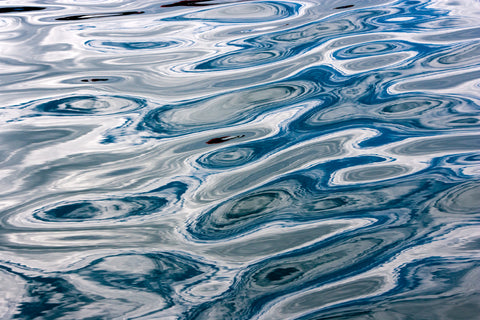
column 224, row 159
column 345, row 7
column 223, row 139
column 191, row 3
column 20, row 9
column 94, row 80
column 98, row 15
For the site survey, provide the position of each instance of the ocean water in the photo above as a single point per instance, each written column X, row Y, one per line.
column 220, row 159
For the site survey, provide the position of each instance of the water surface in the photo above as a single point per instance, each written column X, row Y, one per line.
column 224, row 159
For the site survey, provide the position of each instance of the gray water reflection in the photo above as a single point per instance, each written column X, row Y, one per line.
column 219, row 159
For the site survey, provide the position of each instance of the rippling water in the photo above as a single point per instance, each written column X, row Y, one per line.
column 224, row 159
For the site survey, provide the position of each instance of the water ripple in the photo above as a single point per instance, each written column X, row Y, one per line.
column 90, row 105
column 243, row 12
column 229, row 109
column 254, row 159
column 118, row 46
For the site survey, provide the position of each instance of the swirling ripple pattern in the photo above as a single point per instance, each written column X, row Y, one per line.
column 252, row 159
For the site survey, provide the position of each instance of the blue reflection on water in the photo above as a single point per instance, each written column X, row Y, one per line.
column 240, row 160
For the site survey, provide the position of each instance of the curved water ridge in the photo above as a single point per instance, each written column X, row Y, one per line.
column 220, row 159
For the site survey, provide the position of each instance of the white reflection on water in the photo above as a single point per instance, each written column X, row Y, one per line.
column 223, row 159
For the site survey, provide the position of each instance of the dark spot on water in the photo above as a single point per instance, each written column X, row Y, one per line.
column 98, row 15
column 344, row 7
column 94, row 80
column 188, row 3
column 20, row 9
column 280, row 273
column 223, row 139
